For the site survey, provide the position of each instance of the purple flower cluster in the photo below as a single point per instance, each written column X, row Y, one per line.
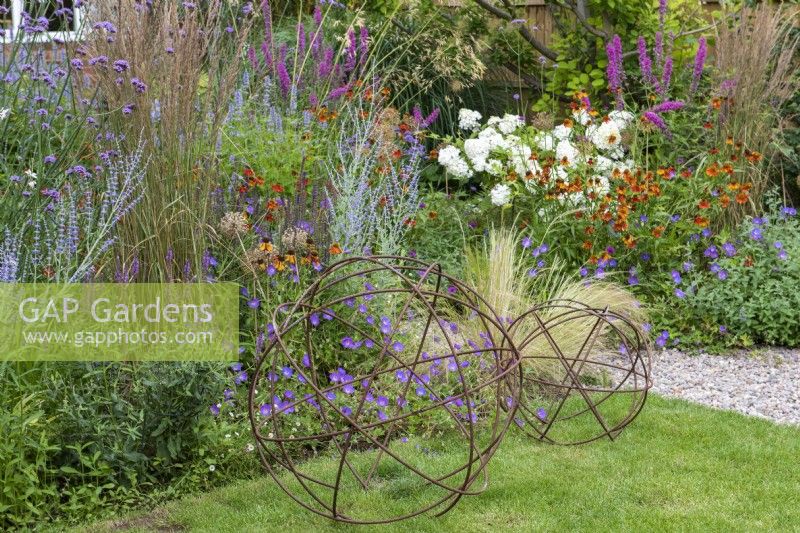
column 699, row 64
column 615, row 71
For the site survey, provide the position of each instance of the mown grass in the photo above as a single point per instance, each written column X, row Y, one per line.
column 679, row 467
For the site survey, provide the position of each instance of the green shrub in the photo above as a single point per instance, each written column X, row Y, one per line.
column 442, row 229
column 742, row 288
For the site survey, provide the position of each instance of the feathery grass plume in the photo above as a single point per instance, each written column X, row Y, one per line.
column 498, row 273
column 755, row 75
column 172, row 68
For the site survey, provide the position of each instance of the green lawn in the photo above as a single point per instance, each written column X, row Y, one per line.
column 679, row 467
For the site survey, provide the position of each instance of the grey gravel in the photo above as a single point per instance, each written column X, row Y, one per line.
column 762, row 382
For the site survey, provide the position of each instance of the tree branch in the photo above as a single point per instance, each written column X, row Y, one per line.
column 578, row 8
column 522, row 29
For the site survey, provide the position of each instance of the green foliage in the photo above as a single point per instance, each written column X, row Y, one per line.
column 79, row 439
column 749, row 297
column 441, row 230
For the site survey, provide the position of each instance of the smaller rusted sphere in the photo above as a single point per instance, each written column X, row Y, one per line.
column 586, row 372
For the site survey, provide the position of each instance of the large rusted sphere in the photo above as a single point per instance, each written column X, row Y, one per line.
column 382, row 364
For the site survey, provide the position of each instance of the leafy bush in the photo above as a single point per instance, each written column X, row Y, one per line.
column 445, row 224
column 741, row 288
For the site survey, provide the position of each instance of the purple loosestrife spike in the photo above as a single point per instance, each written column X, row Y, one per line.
column 317, row 16
column 283, row 73
column 350, row 52
column 338, row 92
column 699, row 64
column 666, row 77
column 658, row 122
column 645, row 64
column 326, row 65
column 665, row 107
column 659, row 49
column 662, row 13
column 614, row 70
column 251, row 55
column 430, row 119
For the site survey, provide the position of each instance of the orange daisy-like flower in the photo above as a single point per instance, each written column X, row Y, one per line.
column 277, row 187
column 658, row 231
column 701, row 221
column 629, row 241
column 753, row 157
column 704, row 204
column 335, row 249
column 587, row 245
column 742, row 197
column 266, row 245
column 432, row 215
column 724, row 200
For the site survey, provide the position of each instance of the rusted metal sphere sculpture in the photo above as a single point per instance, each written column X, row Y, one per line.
column 375, row 353
column 586, row 372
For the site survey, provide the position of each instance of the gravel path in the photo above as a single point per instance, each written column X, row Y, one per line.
column 764, row 383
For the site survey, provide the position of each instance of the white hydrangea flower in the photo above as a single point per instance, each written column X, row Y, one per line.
column 545, row 141
column 508, row 124
column 621, row 118
column 500, row 194
column 565, row 149
column 450, row 158
column 468, row 119
column 477, row 151
column 493, row 138
column 606, row 136
column 562, row 132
